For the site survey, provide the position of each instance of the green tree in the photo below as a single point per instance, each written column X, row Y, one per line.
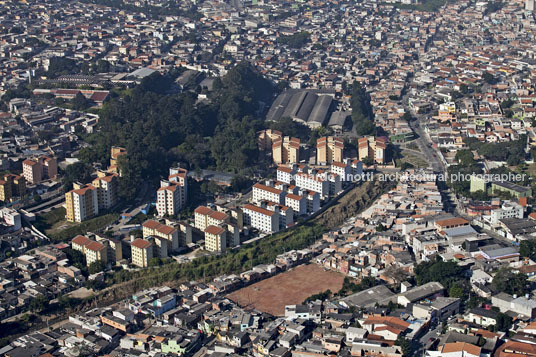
column 96, row 267
column 362, row 114
column 408, row 117
column 296, row 40
column 77, row 172
column 39, row 303
column 507, row 281
column 457, row 291
column 404, row 344
column 504, row 322
column 488, row 78
column 154, row 262
column 465, row 157
column 443, row 272
column 80, row 102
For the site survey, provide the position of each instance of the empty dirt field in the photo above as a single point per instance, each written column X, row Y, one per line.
column 288, row 288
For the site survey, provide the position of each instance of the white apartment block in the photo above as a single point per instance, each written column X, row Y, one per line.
column 160, row 246
column 313, row 182
column 285, row 174
column 86, row 203
column 286, row 214
column 233, row 235
column 151, row 228
column 297, row 203
column 266, row 193
column 335, row 184
column 204, row 217
column 261, row 218
column 107, row 190
column 507, row 210
column 313, row 201
column 172, row 195
column 357, row 167
column 168, row 200
column 344, row 171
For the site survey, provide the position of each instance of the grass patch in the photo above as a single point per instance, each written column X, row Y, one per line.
column 531, row 170
column 414, row 160
column 413, row 146
column 91, row 225
column 47, row 220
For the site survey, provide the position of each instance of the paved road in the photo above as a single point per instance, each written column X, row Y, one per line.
column 423, row 141
column 46, row 205
column 428, row 152
column 424, row 341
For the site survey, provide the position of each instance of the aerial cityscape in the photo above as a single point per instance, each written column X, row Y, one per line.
column 267, row 178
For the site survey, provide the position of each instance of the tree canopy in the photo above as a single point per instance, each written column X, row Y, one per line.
column 159, row 128
column 449, row 274
column 507, row 281
column 362, row 115
column 296, row 40
column 513, row 152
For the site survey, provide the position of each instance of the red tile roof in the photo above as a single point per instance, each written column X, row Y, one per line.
column 214, row 230
column 80, row 240
column 219, row 216
column 151, row 224
column 203, row 210
column 459, row 347
column 95, row 246
column 141, row 243
column 167, row 230
column 452, row 222
column 259, row 210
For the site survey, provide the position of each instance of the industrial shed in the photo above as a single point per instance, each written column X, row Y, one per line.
column 309, row 107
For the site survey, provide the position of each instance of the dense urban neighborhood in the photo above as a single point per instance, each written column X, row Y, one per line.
column 267, row 178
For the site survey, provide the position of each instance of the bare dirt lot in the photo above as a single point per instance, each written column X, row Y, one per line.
column 289, row 288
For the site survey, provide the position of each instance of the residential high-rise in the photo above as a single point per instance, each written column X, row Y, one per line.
column 36, row 170
column 372, row 148
column 172, row 195
column 49, row 166
column 81, row 203
column 264, row 220
column 93, row 251
column 267, row 193
column 31, row 170
column 266, row 138
column 141, row 252
column 152, row 228
column 215, row 240
column 286, row 150
column 106, row 184
column 12, row 186
column 313, row 181
column 204, row 217
column 115, row 153
column 329, row 149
